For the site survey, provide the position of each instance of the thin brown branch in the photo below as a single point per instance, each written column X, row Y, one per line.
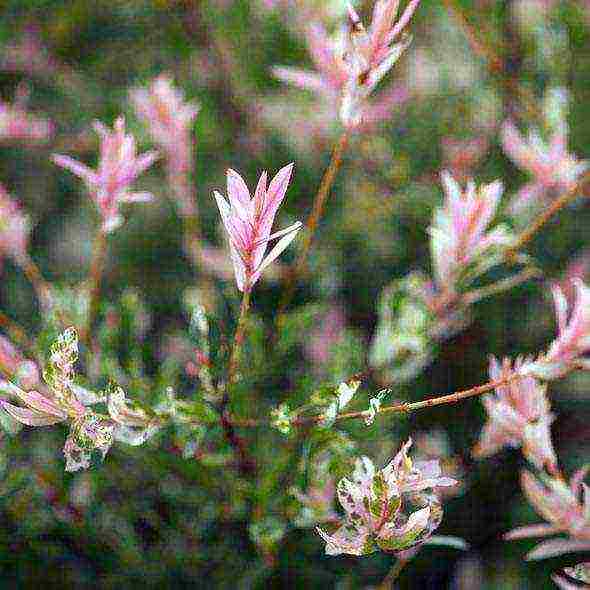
column 180, row 172
column 494, row 63
column 527, row 235
column 99, row 251
column 192, row 240
column 501, row 286
column 40, row 285
column 16, row 333
column 478, row 46
column 314, row 218
column 394, row 573
column 403, row 408
column 246, row 464
column 240, row 334
column 406, row 408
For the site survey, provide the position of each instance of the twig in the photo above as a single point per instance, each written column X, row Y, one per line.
column 314, row 218
column 236, row 352
column 394, row 573
column 494, row 62
column 99, row 251
column 500, row 286
column 192, row 239
column 40, row 285
column 406, row 408
column 17, row 333
column 403, row 408
column 478, row 46
column 246, row 464
column 179, row 174
column 557, row 205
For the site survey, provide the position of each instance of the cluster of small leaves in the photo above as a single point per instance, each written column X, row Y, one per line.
column 403, row 339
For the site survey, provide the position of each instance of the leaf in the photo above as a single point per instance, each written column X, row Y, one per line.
column 280, row 418
column 413, row 532
column 126, row 412
column 134, row 436
column 375, row 406
column 556, row 547
column 344, row 394
column 448, row 541
column 277, row 250
column 267, row 532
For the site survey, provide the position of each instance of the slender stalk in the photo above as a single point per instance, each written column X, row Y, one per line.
column 478, row 46
column 493, row 62
column 403, row 408
column 179, row 175
column 406, row 408
column 246, row 464
column 99, row 251
column 240, row 334
column 40, row 285
column 527, row 235
column 314, row 218
column 192, row 239
column 394, row 573
column 501, row 286
column 15, row 332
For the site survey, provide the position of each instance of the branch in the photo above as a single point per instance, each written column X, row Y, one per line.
column 40, row 285
column 403, row 408
column 501, row 285
column 15, row 331
column 314, row 218
column 234, row 360
column 494, row 63
column 246, row 464
column 396, row 570
column 99, row 251
column 557, row 205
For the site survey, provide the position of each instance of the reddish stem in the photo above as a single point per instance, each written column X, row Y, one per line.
column 314, row 219
column 97, row 263
column 246, row 464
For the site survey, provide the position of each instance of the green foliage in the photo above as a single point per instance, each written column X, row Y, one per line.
column 403, row 338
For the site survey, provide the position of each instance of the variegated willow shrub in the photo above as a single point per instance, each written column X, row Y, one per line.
column 300, row 461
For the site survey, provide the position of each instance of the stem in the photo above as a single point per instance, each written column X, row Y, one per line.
column 40, row 285
column 179, row 179
column 406, row 408
column 403, row 408
column 246, row 464
column 42, row 289
column 527, row 235
column 500, row 286
column 314, row 218
column 97, row 263
column 494, row 63
column 394, row 573
column 234, row 360
column 15, row 332
column 192, row 239
column 481, row 49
